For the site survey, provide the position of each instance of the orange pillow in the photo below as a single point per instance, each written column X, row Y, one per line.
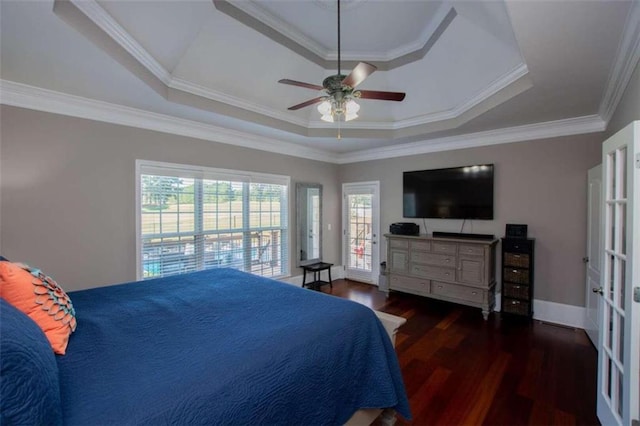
column 39, row 297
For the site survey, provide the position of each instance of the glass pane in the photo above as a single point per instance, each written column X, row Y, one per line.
column 612, row 174
column 360, row 231
column 265, row 205
column 610, row 291
column 620, row 337
column 608, row 377
column 224, row 250
column 166, row 205
column 149, row 222
column 221, row 205
column 619, row 399
column 622, row 173
column 608, row 340
column 622, row 208
column 622, row 264
column 168, row 256
column 610, row 238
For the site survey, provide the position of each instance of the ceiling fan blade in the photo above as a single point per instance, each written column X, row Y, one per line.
column 359, row 73
column 300, row 84
column 383, row 96
column 307, row 103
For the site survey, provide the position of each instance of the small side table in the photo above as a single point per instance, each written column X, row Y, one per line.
column 316, row 268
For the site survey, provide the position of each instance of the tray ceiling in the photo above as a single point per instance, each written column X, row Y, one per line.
column 465, row 66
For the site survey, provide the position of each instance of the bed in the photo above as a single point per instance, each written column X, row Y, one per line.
column 224, row 347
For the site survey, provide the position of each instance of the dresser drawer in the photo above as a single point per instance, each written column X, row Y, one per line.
column 516, row 291
column 516, row 275
column 421, row 245
column 457, row 292
column 516, row 245
column 512, row 306
column 472, row 249
column 443, row 247
column 399, row 282
column 433, row 259
column 519, row 260
column 401, row 244
column 434, row 272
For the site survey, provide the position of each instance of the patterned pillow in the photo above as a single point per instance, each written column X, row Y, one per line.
column 40, row 297
column 29, row 377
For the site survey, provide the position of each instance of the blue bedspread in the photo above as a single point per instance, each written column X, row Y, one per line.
column 224, row 347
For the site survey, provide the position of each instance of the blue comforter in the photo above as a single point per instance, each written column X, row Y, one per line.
column 224, row 347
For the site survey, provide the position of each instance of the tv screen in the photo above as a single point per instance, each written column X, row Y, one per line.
column 453, row 193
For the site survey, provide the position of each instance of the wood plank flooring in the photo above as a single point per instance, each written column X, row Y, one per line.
column 461, row 370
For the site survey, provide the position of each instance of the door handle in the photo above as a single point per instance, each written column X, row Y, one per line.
column 598, row 290
column 585, row 259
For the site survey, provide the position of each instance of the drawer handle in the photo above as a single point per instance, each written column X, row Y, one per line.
column 516, row 286
column 439, row 286
column 516, row 255
column 474, row 292
column 447, row 273
column 516, row 247
column 447, row 260
column 515, row 271
column 513, row 302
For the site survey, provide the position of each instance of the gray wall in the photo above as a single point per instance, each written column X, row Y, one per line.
column 540, row 183
column 68, row 191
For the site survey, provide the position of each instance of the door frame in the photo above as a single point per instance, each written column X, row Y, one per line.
column 372, row 187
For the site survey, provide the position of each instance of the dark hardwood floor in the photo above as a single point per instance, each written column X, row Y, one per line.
column 461, row 370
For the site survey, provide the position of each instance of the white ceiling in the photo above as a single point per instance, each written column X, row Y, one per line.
column 468, row 68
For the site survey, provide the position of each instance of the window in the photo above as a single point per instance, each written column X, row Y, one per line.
column 193, row 218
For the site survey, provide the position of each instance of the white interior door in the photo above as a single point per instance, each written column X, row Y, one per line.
column 618, row 345
column 360, row 219
column 593, row 259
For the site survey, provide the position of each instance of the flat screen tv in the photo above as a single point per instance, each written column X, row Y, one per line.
column 453, row 193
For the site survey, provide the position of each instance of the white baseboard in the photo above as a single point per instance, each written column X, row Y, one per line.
column 557, row 313
column 337, row 272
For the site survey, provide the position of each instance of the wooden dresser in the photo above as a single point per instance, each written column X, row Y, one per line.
column 456, row 270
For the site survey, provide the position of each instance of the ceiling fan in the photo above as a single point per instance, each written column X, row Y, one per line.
column 341, row 92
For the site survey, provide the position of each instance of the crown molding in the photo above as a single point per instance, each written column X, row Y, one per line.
column 101, row 18
column 497, row 85
column 113, row 29
column 35, row 98
column 549, row 129
column 626, row 60
column 290, row 32
column 205, row 92
column 39, row 99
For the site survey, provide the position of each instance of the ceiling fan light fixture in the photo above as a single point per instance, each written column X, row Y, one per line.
column 332, row 109
column 352, row 107
column 325, row 108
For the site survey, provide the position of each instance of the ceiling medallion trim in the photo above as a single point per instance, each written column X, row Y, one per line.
column 36, row 98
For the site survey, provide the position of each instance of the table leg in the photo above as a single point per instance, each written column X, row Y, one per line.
column 304, row 277
column 330, row 280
